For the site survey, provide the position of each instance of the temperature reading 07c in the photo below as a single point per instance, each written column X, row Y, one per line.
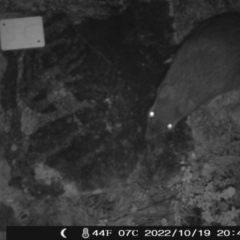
column 127, row 233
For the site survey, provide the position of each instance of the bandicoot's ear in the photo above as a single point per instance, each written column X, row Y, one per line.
column 166, row 91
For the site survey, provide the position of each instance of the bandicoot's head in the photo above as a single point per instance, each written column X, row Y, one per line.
column 166, row 112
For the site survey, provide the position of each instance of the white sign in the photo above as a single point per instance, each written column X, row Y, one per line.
column 21, row 33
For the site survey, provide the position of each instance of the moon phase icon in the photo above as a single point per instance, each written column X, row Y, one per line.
column 63, row 233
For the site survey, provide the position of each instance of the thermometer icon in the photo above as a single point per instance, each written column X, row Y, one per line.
column 85, row 233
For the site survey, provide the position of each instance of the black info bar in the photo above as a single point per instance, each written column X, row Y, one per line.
column 108, row 232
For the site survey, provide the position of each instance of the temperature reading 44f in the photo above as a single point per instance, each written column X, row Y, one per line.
column 103, row 233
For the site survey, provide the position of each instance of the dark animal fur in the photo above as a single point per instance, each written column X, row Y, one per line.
column 206, row 65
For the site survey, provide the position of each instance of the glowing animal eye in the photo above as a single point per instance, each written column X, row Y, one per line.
column 151, row 114
column 169, row 126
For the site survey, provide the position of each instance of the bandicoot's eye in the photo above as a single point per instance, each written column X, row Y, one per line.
column 151, row 114
column 169, row 126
